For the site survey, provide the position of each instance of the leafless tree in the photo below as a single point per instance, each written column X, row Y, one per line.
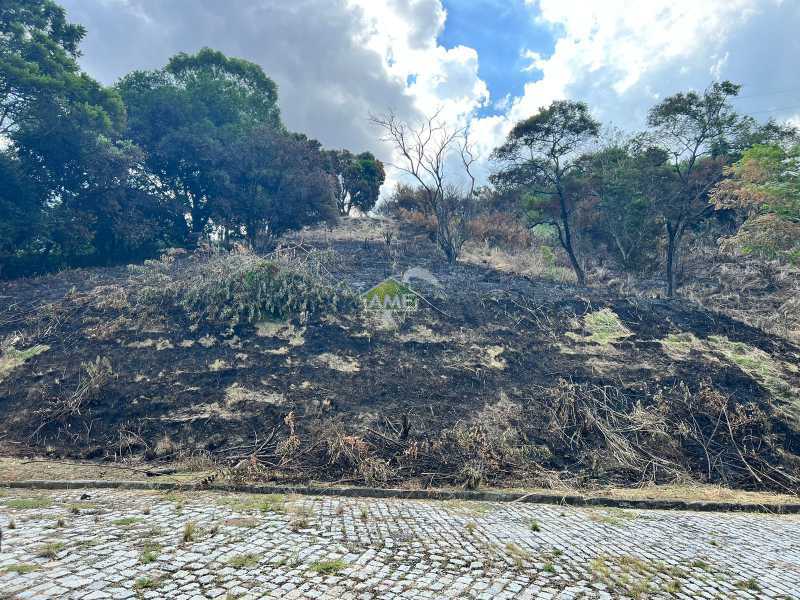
column 453, row 215
column 427, row 149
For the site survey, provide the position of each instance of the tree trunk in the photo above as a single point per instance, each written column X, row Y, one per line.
column 198, row 221
column 251, row 233
column 673, row 242
column 566, row 241
column 444, row 239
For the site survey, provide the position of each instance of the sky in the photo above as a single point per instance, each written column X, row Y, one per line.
column 486, row 63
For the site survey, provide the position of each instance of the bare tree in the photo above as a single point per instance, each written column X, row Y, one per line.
column 427, row 149
column 452, row 221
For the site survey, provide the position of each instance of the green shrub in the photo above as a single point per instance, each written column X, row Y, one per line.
column 241, row 287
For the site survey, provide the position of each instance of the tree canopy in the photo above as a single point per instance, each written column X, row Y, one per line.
column 765, row 185
column 623, row 183
column 185, row 115
column 696, row 132
column 95, row 175
column 65, row 156
column 357, row 180
column 540, row 158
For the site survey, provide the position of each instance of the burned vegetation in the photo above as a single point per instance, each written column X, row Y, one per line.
column 268, row 368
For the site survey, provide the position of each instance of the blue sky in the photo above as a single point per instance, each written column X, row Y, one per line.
column 499, row 30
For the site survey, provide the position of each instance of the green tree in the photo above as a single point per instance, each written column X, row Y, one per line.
column 38, row 51
column 625, row 183
column 20, row 209
column 357, row 180
column 63, row 132
column 540, row 159
column 695, row 131
column 764, row 185
column 271, row 182
column 185, row 115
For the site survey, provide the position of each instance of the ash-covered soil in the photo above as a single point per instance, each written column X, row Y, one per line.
column 494, row 378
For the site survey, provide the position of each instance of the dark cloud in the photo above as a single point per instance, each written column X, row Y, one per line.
column 328, row 83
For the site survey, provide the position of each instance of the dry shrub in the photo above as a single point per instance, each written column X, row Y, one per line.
column 326, row 450
column 762, row 293
column 768, row 236
column 472, row 474
column 246, row 470
column 497, row 444
column 343, row 451
column 419, row 220
column 577, row 432
column 165, row 446
column 375, row 470
column 741, row 442
column 626, row 434
column 197, row 462
column 287, row 447
column 110, row 297
column 95, row 376
column 499, row 229
column 605, row 429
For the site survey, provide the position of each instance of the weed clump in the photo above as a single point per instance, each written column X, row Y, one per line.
column 603, row 327
column 328, row 567
column 244, row 561
column 150, row 553
column 50, row 550
column 11, row 358
column 189, row 531
column 145, row 583
column 29, row 503
column 125, row 521
column 19, row 569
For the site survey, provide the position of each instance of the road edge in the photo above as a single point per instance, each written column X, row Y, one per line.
column 401, row 494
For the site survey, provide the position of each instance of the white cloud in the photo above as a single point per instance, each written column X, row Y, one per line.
column 617, row 42
column 337, row 61
column 403, row 33
column 622, row 56
column 436, row 79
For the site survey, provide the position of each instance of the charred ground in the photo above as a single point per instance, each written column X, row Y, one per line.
column 495, row 379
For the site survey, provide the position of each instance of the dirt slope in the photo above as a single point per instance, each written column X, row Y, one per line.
column 494, row 378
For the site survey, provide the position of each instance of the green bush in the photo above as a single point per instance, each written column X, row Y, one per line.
column 241, row 287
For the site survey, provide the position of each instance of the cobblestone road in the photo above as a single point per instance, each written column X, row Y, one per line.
column 118, row 544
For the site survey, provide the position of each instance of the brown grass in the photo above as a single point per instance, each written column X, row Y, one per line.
column 12, row 469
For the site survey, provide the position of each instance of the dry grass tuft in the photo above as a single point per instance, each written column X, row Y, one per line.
column 602, row 327
column 11, row 358
column 537, row 262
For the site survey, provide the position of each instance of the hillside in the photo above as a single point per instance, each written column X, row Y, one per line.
column 494, row 379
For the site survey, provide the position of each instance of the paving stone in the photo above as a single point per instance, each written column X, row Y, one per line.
column 402, row 549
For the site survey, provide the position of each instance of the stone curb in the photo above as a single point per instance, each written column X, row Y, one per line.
column 364, row 492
